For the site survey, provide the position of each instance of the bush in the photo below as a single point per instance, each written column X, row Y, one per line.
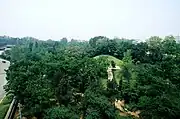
column 60, row 113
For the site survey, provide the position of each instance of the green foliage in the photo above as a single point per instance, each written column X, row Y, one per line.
column 122, row 117
column 139, row 52
column 127, row 57
column 4, row 106
column 109, row 59
column 97, row 106
column 3, row 110
column 158, row 95
column 60, row 113
column 62, row 80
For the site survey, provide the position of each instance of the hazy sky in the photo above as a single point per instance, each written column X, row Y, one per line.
column 83, row 19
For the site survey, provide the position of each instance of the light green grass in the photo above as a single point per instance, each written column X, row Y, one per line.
column 111, row 58
column 4, row 106
column 116, row 73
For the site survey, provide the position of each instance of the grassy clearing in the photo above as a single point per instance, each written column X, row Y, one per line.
column 116, row 73
column 111, row 58
column 4, row 105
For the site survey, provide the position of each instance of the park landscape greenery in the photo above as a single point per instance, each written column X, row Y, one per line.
column 4, row 105
column 68, row 80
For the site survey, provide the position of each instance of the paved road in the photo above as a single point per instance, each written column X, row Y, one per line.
column 3, row 76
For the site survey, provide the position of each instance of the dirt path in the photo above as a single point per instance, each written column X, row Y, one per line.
column 110, row 73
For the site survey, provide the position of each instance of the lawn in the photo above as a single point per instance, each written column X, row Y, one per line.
column 117, row 72
column 4, row 105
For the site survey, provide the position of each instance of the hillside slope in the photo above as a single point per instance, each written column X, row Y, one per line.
column 116, row 73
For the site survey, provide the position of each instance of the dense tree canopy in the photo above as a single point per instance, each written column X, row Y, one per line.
column 63, row 80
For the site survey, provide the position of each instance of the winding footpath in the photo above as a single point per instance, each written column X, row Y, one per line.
column 110, row 72
column 120, row 104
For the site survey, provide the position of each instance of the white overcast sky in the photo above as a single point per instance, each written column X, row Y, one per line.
column 83, row 19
